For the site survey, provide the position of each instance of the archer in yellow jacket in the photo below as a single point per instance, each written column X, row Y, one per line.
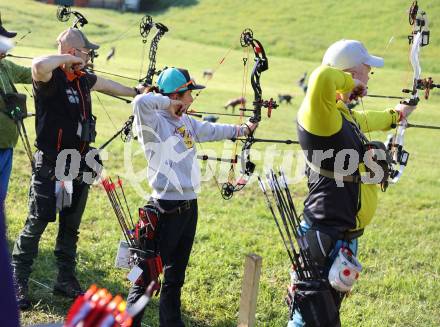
column 336, row 212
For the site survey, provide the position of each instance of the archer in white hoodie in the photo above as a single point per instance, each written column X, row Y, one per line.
column 168, row 136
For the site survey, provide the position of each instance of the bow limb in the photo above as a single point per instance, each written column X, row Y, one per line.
column 145, row 27
column 161, row 30
column 417, row 69
column 261, row 64
column 248, row 168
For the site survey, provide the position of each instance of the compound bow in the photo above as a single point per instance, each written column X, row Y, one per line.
column 419, row 38
column 261, row 64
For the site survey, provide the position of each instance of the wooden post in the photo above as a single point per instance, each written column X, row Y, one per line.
column 249, row 291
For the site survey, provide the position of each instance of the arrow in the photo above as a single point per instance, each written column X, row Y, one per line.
column 385, row 96
column 423, row 126
column 266, row 140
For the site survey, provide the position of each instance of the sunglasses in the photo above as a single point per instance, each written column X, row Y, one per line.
column 89, row 53
column 92, row 54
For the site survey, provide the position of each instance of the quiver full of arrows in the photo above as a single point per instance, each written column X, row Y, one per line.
column 142, row 237
column 309, row 293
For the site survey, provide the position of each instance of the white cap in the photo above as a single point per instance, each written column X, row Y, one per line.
column 346, row 54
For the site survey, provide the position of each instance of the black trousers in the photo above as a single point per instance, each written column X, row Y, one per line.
column 42, row 210
column 176, row 237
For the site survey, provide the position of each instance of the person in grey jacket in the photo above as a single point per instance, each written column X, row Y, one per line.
column 168, row 135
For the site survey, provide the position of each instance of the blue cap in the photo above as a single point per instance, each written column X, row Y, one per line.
column 176, row 80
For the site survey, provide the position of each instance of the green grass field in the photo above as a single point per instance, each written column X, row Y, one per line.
column 400, row 282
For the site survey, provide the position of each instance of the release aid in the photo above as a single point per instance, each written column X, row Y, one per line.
column 344, row 271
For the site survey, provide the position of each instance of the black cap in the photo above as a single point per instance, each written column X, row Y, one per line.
column 193, row 85
column 4, row 32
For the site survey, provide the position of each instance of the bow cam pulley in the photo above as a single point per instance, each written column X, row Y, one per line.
column 145, row 27
column 64, row 13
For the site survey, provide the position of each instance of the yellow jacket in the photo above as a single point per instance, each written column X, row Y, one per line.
column 322, row 123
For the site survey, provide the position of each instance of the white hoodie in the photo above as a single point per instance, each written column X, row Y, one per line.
column 169, row 146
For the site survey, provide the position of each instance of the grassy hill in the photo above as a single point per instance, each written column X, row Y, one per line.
column 399, row 284
column 294, row 28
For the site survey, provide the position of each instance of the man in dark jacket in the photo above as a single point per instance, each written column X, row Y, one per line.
column 64, row 125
